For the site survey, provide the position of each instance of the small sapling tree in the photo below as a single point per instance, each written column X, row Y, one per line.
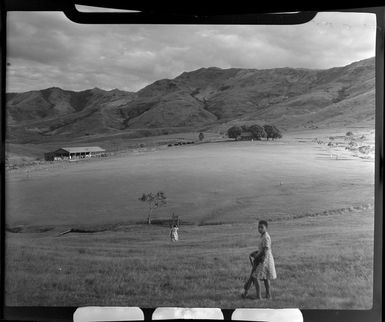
column 154, row 200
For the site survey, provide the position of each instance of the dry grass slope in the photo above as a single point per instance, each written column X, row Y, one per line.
column 207, row 268
column 319, row 209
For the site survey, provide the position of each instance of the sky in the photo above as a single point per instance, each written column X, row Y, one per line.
column 46, row 49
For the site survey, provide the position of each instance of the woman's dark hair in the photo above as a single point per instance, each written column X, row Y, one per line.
column 263, row 222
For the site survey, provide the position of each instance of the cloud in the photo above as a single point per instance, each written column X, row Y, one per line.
column 46, row 49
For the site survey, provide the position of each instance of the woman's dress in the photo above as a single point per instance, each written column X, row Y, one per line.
column 266, row 269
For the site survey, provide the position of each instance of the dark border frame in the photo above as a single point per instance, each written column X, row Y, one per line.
column 197, row 13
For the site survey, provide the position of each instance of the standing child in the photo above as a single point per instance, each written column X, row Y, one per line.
column 264, row 267
column 174, row 233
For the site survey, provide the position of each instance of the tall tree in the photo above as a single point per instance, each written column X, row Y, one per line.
column 257, row 131
column 272, row 132
column 234, row 132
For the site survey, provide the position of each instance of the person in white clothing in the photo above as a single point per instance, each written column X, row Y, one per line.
column 174, row 233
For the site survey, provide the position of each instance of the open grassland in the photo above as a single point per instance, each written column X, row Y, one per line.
column 208, row 183
column 320, row 210
column 322, row 262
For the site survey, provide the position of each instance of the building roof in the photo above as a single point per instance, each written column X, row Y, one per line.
column 83, row 149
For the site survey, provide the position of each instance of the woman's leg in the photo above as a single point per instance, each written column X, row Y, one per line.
column 257, row 288
column 267, row 286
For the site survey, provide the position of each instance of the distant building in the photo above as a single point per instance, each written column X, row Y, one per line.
column 75, row 153
column 246, row 135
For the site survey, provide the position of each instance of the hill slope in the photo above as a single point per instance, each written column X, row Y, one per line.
column 205, row 98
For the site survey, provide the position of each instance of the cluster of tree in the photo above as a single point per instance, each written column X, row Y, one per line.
column 256, row 131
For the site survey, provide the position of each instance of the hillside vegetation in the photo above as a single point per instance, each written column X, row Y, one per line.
column 207, row 98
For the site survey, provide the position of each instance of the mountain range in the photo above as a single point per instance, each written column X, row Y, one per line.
column 204, row 99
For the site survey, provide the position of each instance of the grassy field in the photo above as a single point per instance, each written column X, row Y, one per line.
column 319, row 208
